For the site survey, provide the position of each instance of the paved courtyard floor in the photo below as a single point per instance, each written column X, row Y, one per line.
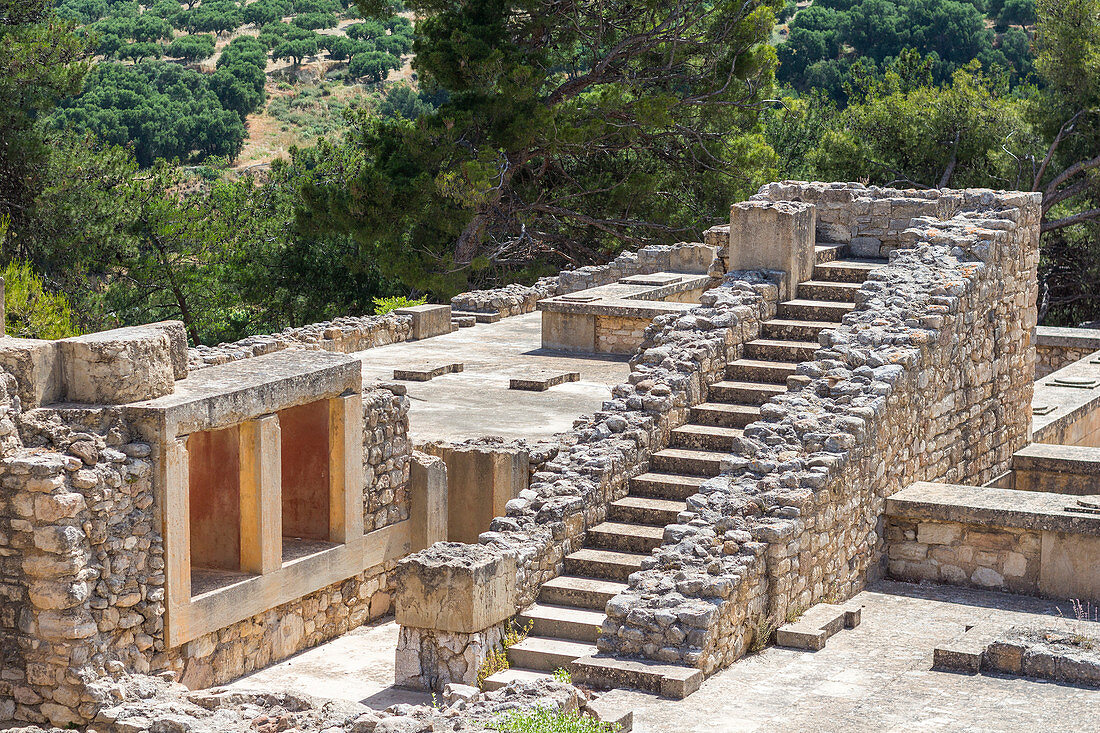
column 477, row 401
column 876, row 677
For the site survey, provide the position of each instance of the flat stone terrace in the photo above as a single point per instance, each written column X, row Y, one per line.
column 477, row 401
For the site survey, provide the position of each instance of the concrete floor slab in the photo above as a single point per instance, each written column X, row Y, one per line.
column 477, row 401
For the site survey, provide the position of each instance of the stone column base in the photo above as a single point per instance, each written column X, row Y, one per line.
column 429, row 659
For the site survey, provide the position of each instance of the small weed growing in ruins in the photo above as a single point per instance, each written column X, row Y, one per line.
column 793, row 613
column 1083, row 612
column 382, row 306
column 762, row 630
column 563, row 676
column 497, row 659
column 543, row 720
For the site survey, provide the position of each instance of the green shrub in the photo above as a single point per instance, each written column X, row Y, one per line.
column 544, row 720
column 382, row 306
column 31, row 310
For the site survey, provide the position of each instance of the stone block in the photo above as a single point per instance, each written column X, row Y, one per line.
column 480, row 483
column 540, row 381
column 457, row 588
column 692, row 257
column 1067, row 566
column 428, row 320
column 569, row 331
column 773, row 236
column 935, row 533
column 427, row 371
column 119, row 366
column 428, row 500
column 36, row 366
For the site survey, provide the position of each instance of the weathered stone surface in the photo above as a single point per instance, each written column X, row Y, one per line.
column 119, row 366
column 435, row 592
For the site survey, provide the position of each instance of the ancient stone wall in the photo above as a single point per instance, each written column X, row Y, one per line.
column 386, row 454
column 929, row 378
column 1059, row 347
column 980, row 556
column 342, row 335
column 82, row 563
column 513, row 300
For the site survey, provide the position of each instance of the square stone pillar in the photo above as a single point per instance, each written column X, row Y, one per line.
column 452, row 601
column 427, row 500
column 774, row 235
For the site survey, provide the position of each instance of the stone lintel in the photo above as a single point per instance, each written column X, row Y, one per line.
column 228, row 394
column 1074, row 338
column 455, row 587
column 1076, row 459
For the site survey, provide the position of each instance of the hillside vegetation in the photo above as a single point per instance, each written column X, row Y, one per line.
column 247, row 166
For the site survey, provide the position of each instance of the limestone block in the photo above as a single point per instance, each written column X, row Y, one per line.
column 692, row 257
column 1067, row 566
column 36, row 366
column 428, row 500
column 455, row 587
column 569, row 331
column 480, row 483
column 428, row 320
column 119, row 366
column 773, row 236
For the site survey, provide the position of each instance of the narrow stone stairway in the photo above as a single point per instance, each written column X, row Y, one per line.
column 566, row 619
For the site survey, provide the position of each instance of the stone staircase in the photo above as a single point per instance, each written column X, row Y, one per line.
column 566, row 620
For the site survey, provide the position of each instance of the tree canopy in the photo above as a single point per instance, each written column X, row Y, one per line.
column 566, row 132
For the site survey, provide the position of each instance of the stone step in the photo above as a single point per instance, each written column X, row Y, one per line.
column 824, row 290
column 813, row 628
column 543, row 653
column 608, row 564
column 645, row 510
column 814, row 310
column 829, row 251
column 792, row 329
column 704, row 437
column 744, row 393
column 665, row 485
column 513, row 674
column 759, row 370
column 624, row 537
column 723, row 414
column 776, row 350
column 691, row 462
column 668, row 680
column 563, row 622
column 573, row 590
column 846, row 270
